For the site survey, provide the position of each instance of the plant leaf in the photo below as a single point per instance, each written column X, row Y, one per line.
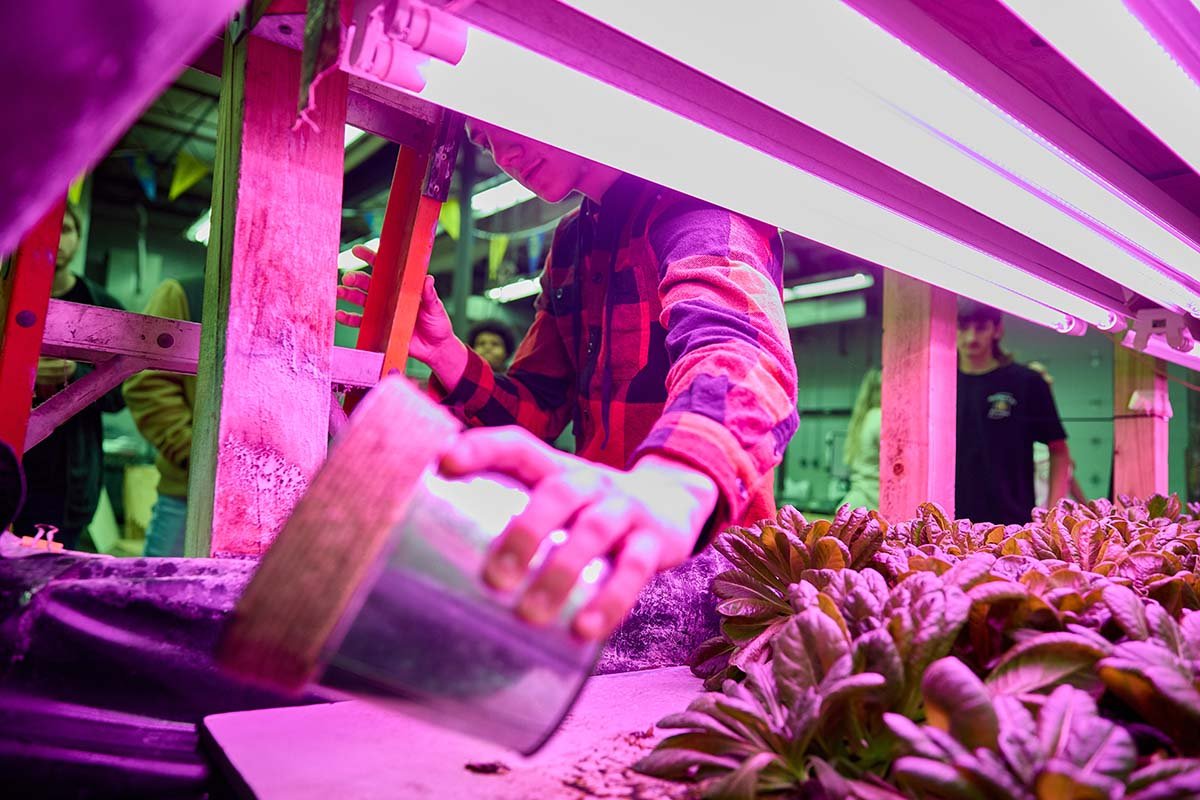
column 1044, row 662
column 807, row 649
column 1127, row 610
column 957, row 702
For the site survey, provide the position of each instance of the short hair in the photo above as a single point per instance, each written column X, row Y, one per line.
column 496, row 327
column 73, row 212
column 974, row 311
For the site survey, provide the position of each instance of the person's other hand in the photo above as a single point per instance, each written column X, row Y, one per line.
column 354, row 287
column 433, row 341
column 647, row 519
column 53, row 374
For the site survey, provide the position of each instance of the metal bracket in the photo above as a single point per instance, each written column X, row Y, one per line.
column 443, row 156
column 1170, row 325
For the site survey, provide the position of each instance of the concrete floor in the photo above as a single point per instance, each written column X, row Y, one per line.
column 354, row 750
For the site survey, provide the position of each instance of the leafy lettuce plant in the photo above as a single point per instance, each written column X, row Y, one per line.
column 767, row 559
column 944, row 658
column 979, row 746
column 851, row 651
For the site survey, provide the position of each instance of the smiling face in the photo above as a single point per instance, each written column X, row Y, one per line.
column 550, row 173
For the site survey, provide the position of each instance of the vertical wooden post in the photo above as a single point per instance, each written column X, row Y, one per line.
column 1141, row 410
column 920, row 371
column 263, row 395
column 25, row 283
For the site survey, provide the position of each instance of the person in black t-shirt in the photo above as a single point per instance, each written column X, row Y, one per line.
column 1003, row 408
column 64, row 472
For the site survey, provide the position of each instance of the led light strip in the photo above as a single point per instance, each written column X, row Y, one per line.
column 1109, row 44
column 824, row 64
column 845, row 283
column 508, row 86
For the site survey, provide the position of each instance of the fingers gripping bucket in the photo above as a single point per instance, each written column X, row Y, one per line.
column 372, row 588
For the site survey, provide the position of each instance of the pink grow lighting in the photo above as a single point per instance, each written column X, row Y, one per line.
column 825, row 64
column 507, row 85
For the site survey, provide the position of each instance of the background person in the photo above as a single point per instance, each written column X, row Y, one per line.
column 65, row 471
column 162, row 404
column 493, row 340
column 1003, row 409
column 862, row 444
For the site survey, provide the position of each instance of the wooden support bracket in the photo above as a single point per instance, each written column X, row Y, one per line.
column 420, row 185
column 917, row 440
column 92, row 333
column 77, row 396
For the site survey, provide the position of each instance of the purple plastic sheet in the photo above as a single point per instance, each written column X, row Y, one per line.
column 106, row 667
column 76, row 74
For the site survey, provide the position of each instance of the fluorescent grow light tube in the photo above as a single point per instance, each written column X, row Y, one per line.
column 199, row 230
column 823, row 63
column 500, row 197
column 517, row 290
column 347, row 261
column 845, row 283
column 508, row 86
column 1109, row 44
column 352, row 135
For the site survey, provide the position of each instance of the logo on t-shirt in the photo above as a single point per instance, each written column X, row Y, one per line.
column 1001, row 405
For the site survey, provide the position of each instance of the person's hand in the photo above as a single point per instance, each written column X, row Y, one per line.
column 647, row 519
column 433, row 341
column 53, row 374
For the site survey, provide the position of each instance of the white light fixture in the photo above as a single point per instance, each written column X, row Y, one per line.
column 846, row 283
column 500, row 197
column 823, row 63
column 199, row 230
column 348, row 262
column 1109, row 44
column 517, row 290
column 353, row 134
column 505, row 84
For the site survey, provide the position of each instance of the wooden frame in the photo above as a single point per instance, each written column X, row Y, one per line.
column 25, row 284
column 920, row 369
column 264, row 368
column 1141, row 413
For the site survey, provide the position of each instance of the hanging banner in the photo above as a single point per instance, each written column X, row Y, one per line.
column 143, row 170
column 451, row 218
column 497, row 247
column 75, row 190
column 188, row 170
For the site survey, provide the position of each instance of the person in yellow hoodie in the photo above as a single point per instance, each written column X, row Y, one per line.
column 162, row 404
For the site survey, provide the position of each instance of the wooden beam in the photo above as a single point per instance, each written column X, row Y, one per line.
column 25, row 283
column 262, row 398
column 92, row 333
column 79, row 395
column 381, row 110
column 1141, row 412
column 920, row 370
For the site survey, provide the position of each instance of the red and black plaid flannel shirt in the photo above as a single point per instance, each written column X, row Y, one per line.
column 659, row 329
